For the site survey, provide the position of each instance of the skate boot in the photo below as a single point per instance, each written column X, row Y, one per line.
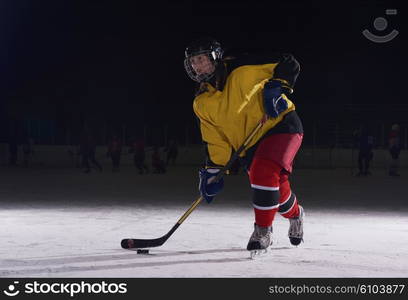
column 296, row 228
column 260, row 240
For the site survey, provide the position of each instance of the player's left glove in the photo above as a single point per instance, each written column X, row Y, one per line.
column 208, row 188
column 274, row 103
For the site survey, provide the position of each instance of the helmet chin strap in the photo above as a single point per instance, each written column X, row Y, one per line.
column 206, row 77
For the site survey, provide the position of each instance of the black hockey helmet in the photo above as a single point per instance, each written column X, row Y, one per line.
column 207, row 46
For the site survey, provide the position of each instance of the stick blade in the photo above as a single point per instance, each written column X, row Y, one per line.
column 142, row 243
column 148, row 243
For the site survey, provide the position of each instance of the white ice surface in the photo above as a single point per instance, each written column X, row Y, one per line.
column 63, row 223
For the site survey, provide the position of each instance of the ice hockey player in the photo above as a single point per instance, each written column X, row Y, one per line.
column 233, row 94
column 115, row 152
column 365, row 154
column 139, row 155
column 394, row 144
column 158, row 164
column 88, row 150
column 172, row 152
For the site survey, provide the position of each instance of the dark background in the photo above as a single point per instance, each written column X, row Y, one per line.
column 115, row 64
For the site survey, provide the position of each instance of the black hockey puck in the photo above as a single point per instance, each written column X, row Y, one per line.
column 142, row 251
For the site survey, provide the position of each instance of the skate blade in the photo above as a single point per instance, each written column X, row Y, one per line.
column 256, row 253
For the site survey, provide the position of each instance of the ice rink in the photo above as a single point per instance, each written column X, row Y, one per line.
column 64, row 223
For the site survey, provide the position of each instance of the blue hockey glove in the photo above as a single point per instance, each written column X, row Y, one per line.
column 274, row 104
column 209, row 189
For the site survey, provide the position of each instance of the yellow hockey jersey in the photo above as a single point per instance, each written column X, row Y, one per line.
column 228, row 116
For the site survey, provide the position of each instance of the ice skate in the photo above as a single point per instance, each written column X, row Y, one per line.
column 260, row 240
column 296, row 228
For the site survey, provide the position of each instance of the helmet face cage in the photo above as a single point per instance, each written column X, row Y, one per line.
column 214, row 54
column 192, row 73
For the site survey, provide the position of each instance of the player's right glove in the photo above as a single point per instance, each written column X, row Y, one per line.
column 274, row 103
column 208, row 188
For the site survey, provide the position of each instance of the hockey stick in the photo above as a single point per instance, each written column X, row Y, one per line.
column 148, row 243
